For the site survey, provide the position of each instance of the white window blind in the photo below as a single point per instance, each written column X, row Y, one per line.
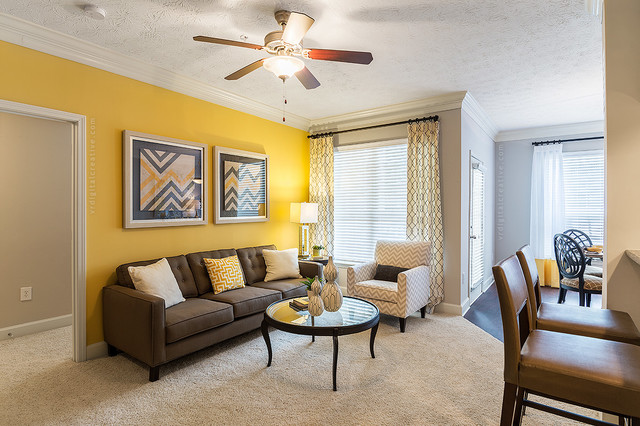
column 370, row 196
column 584, row 192
column 477, row 225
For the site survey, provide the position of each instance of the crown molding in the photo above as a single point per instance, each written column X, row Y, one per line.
column 586, row 129
column 390, row 113
column 477, row 114
column 33, row 36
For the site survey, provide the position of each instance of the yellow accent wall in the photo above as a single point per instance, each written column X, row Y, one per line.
column 113, row 103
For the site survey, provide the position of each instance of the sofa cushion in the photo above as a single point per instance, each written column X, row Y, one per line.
column 194, row 316
column 199, row 269
column 179, row 267
column 247, row 300
column 252, row 262
column 225, row 273
column 158, row 280
column 281, row 264
column 288, row 288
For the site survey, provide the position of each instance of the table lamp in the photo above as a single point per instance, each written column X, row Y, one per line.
column 304, row 214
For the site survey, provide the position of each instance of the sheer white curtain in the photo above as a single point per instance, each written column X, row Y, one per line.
column 547, row 199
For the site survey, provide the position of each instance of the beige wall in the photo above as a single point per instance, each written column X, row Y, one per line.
column 35, row 218
column 450, row 182
column 622, row 130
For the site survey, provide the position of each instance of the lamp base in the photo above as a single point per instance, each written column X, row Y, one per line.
column 303, row 241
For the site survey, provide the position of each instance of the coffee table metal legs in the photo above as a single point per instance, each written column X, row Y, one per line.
column 372, row 340
column 335, row 358
column 267, row 340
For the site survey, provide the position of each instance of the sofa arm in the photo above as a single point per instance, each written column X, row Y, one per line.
column 359, row 273
column 413, row 289
column 134, row 322
column 310, row 269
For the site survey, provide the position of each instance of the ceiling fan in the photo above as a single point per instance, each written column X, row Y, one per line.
column 285, row 46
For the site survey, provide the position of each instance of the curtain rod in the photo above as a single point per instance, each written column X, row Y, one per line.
column 416, row 120
column 566, row 140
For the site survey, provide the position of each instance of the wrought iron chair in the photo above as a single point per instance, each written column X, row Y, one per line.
column 581, row 238
column 571, row 265
column 594, row 373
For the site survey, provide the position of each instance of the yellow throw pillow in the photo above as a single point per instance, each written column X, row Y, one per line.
column 225, row 273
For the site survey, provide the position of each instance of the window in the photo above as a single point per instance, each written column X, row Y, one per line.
column 584, row 192
column 370, row 199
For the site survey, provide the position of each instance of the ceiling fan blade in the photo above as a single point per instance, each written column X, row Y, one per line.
column 307, row 79
column 244, row 71
column 227, row 42
column 364, row 58
column 297, row 26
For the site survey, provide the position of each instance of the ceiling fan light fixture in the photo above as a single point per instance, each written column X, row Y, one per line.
column 283, row 66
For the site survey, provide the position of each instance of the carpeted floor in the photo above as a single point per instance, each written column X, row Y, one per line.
column 442, row 371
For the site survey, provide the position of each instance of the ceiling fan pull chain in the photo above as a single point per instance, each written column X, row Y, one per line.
column 284, row 100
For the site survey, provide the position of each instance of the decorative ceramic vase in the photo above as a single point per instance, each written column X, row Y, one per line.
column 315, row 304
column 331, row 293
column 316, row 286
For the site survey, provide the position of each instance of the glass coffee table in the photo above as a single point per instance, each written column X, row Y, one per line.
column 355, row 315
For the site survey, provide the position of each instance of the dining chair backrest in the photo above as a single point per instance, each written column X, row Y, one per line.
column 569, row 256
column 580, row 237
column 530, row 270
column 514, row 308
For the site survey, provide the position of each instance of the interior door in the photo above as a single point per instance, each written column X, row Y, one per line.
column 476, row 229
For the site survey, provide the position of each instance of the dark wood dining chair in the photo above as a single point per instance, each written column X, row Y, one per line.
column 606, row 324
column 571, row 263
column 593, row 373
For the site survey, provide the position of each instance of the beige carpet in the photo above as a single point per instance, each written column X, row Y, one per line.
column 443, row 370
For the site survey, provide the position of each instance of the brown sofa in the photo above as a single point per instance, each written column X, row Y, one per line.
column 138, row 323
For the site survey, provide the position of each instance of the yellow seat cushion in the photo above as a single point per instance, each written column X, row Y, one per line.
column 225, row 274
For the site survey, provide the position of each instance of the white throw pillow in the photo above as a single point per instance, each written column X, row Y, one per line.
column 281, row 264
column 157, row 279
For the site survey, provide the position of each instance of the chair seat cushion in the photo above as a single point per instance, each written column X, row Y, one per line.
column 590, row 282
column 600, row 323
column 194, row 316
column 288, row 288
column 597, row 372
column 594, row 271
column 247, row 300
column 377, row 290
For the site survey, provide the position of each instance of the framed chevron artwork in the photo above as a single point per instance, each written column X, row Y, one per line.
column 241, row 186
column 165, row 181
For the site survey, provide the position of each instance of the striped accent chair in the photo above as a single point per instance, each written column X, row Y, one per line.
column 404, row 296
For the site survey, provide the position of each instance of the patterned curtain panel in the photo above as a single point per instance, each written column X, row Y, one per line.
column 321, row 191
column 424, row 208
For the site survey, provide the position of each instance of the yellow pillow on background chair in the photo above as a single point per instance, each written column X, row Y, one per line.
column 225, row 274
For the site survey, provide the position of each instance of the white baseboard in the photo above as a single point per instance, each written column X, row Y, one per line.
column 34, row 327
column 450, row 308
column 97, row 350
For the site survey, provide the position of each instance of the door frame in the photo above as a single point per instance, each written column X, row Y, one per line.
column 78, row 191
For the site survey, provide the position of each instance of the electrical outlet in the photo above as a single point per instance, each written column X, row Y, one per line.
column 25, row 293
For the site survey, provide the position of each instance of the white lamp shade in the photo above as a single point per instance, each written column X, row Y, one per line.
column 304, row 212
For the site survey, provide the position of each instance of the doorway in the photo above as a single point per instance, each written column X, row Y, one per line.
column 77, row 209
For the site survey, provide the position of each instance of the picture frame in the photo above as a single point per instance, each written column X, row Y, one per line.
column 165, row 181
column 241, row 186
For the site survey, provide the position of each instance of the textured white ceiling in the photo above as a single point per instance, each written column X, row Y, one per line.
column 528, row 63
